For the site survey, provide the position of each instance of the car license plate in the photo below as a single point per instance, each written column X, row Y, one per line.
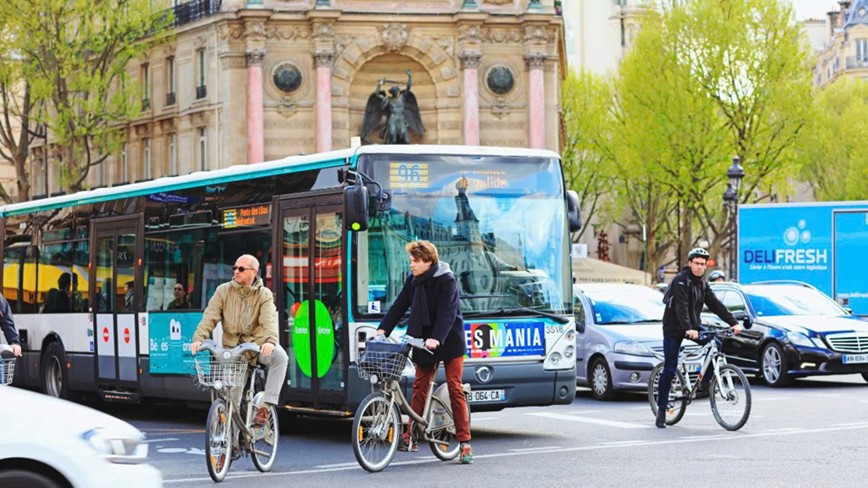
column 693, row 367
column 478, row 396
column 855, row 358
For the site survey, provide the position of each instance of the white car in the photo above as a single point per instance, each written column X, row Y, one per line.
column 50, row 443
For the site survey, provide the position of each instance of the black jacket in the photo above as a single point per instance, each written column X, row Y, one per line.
column 684, row 300
column 447, row 324
column 7, row 323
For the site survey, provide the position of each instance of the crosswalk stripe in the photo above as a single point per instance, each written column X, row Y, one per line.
column 589, row 420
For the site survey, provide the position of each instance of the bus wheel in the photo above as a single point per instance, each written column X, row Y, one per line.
column 54, row 376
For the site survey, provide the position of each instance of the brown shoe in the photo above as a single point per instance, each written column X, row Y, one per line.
column 261, row 417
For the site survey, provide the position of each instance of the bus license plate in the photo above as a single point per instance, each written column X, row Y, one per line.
column 693, row 367
column 478, row 396
column 855, row 358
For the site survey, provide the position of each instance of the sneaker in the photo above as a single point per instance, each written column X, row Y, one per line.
column 261, row 417
column 466, row 456
column 407, row 443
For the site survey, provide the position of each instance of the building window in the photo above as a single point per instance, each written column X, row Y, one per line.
column 862, row 50
column 173, row 161
column 170, row 80
column 202, row 149
column 124, row 173
column 146, row 157
column 146, row 87
column 41, row 184
column 200, row 68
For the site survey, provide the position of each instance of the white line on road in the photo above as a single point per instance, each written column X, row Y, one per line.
column 338, row 465
column 733, row 437
column 168, row 439
column 483, row 419
column 588, row 420
column 773, row 399
column 535, row 449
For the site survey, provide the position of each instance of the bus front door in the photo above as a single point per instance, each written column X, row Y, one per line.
column 309, row 284
column 113, row 301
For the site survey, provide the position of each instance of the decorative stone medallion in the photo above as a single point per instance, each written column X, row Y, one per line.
column 287, row 77
column 500, row 80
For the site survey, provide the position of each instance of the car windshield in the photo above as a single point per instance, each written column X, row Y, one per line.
column 625, row 305
column 771, row 300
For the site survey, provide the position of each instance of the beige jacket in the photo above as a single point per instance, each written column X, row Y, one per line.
column 247, row 312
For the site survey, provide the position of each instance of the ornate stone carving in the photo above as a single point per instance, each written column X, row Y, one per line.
column 394, row 36
column 535, row 60
column 323, row 31
column 255, row 57
column 538, row 34
column 501, row 35
column 226, row 32
column 470, row 59
column 470, row 33
column 169, row 49
column 341, row 43
column 254, row 31
column 324, row 57
column 199, row 42
column 287, row 106
column 447, row 44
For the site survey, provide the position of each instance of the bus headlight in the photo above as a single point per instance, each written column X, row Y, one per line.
column 555, row 358
column 569, row 352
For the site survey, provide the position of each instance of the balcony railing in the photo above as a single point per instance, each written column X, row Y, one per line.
column 192, row 11
column 854, row 62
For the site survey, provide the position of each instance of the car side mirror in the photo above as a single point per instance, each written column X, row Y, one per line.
column 580, row 325
column 574, row 212
column 747, row 322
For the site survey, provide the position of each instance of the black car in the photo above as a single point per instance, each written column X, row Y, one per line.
column 797, row 331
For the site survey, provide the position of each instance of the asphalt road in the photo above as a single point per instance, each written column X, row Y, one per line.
column 811, row 434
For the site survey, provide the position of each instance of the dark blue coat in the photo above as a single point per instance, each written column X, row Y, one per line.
column 7, row 323
column 447, row 324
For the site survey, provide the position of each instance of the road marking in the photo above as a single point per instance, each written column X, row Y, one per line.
column 589, row 420
column 774, row 399
column 496, row 455
column 482, row 419
column 167, row 439
column 585, row 412
column 338, row 465
column 535, row 449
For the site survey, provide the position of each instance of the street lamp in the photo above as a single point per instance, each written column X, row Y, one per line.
column 735, row 173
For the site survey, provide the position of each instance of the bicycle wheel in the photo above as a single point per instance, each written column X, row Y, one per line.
column 265, row 442
column 677, row 405
column 730, row 398
column 218, row 440
column 376, row 429
column 443, row 431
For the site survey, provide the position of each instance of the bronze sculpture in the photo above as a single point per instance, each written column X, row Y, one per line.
column 400, row 109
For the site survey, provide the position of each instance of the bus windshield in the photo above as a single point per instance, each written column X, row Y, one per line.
column 499, row 222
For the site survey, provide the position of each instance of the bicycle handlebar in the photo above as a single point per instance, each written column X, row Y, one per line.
column 415, row 342
column 5, row 348
column 218, row 351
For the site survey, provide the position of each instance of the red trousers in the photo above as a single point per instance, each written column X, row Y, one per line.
column 454, row 370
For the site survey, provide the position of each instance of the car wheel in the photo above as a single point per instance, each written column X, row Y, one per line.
column 774, row 366
column 54, row 376
column 601, row 380
column 25, row 479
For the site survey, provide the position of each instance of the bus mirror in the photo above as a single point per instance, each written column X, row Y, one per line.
column 574, row 213
column 356, row 207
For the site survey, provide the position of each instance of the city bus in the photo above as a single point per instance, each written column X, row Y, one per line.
column 91, row 277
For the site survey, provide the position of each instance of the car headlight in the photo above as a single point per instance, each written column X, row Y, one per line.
column 799, row 339
column 633, row 348
column 117, row 448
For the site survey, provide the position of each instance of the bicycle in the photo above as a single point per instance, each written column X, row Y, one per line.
column 7, row 365
column 729, row 388
column 224, row 372
column 377, row 423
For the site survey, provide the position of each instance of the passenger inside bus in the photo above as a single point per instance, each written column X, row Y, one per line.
column 181, row 302
column 59, row 300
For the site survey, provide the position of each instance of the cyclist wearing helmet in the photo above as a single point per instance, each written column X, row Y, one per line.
column 684, row 299
column 716, row 275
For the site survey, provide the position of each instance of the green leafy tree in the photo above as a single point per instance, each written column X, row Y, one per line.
column 75, row 56
column 706, row 80
column 837, row 164
column 588, row 156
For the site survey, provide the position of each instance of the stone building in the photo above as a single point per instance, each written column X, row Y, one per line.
column 846, row 50
column 244, row 81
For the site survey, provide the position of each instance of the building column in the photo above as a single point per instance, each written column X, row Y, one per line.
column 324, row 60
column 536, row 100
column 470, row 64
column 255, row 107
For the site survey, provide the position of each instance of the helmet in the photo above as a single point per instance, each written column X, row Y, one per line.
column 697, row 252
column 716, row 275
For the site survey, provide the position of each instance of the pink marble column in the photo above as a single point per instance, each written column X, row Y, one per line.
column 255, row 107
column 536, row 100
column 470, row 64
column 324, row 61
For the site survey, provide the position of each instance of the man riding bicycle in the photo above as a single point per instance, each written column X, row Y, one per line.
column 684, row 299
column 246, row 308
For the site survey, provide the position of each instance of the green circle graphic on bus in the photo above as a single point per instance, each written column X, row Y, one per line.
column 325, row 338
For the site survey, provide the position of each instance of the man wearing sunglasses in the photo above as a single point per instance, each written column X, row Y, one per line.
column 246, row 308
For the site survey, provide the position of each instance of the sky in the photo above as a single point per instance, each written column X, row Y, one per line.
column 814, row 9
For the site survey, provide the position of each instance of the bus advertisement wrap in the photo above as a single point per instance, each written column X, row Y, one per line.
column 504, row 339
column 169, row 341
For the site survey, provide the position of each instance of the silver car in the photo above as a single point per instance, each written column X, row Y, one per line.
column 619, row 336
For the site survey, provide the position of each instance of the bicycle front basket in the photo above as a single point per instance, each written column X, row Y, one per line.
column 7, row 371
column 385, row 359
column 231, row 372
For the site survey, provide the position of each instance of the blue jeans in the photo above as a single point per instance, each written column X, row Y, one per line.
column 671, row 346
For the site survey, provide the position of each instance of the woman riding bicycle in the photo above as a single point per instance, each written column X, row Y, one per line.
column 684, row 300
column 431, row 294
